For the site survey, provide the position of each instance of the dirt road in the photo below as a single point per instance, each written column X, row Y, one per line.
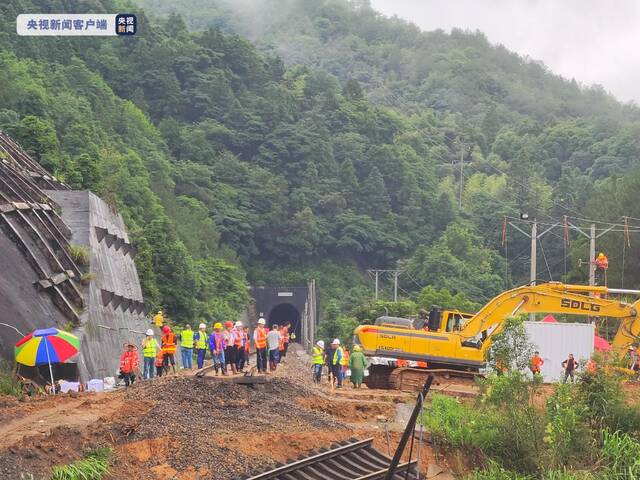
column 186, row 428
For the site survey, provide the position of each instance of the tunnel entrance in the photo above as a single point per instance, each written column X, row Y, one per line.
column 283, row 313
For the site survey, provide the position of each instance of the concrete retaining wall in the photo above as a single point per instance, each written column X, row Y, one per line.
column 113, row 297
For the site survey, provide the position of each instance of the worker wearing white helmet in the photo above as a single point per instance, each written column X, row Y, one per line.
column 262, row 321
column 150, row 348
column 317, row 358
column 200, row 343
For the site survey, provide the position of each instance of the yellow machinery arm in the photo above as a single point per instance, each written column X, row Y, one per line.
column 552, row 297
column 463, row 347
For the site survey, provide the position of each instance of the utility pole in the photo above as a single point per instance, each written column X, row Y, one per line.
column 375, row 273
column 592, row 236
column 395, row 286
column 534, row 252
column 535, row 237
column 461, row 175
column 592, row 255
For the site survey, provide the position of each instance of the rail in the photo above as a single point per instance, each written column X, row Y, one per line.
column 351, row 460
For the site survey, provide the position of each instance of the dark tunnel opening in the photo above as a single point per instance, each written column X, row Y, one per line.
column 285, row 312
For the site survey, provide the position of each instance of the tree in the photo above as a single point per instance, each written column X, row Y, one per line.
column 373, row 197
column 511, row 347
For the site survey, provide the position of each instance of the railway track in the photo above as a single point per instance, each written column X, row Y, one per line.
column 350, row 460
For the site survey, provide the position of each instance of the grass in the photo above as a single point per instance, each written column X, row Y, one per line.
column 79, row 254
column 87, row 277
column 92, row 467
column 8, row 382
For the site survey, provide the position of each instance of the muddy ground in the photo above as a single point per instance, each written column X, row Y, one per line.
column 186, row 428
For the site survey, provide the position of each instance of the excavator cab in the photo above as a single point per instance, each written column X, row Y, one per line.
column 435, row 317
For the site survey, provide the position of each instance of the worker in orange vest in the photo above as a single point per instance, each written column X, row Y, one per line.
column 260, row 342
column 536, row 364
column 129, row 363
column 601, row 264
column 169, row 348
column 159, row 363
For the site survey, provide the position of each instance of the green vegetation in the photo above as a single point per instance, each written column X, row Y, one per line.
column 87, row 277
column 8, row 382
column 92, row 467
column 587, row 430
column 79, row 254
column 328, row 146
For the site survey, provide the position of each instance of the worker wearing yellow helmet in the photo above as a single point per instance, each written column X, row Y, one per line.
column 201, row 341
column 217, row 346
column 601, row 264
column 158, row 319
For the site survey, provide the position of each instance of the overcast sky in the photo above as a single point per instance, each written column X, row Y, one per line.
column 593, row 41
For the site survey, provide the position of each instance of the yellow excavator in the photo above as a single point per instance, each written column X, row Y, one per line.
column 451, row 342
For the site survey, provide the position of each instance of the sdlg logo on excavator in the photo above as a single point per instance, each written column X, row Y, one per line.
column 578, row 305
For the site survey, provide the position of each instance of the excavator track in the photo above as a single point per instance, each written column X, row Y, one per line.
column 410, row 379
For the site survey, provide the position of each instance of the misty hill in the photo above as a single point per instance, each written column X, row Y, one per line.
column 397, row 64
column 227, row 160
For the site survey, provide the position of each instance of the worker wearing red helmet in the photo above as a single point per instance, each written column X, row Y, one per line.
column 169, row 348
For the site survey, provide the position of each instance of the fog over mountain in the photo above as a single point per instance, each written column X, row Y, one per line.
column 592, row 41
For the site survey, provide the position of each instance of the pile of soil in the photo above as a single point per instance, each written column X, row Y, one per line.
column 203, row 423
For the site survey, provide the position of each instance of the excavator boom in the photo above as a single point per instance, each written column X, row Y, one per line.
column 461, row 341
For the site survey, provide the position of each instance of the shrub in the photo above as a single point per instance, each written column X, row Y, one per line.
column 79, row 254
column 8, row 382
column 510, row 399
column 604, row 398
column 566, row 431
column 511, row 347
column 452, row 422
column 87, row 278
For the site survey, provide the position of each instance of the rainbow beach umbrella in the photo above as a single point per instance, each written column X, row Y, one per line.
column 46, row 346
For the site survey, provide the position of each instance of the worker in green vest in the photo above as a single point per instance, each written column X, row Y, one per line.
column 317, row 357
column 201, row 343
column 186, row 347
column 150, row 347
column 336, row 363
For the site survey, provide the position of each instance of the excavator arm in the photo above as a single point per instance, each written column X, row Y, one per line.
column 466, row 348
column 555, row 298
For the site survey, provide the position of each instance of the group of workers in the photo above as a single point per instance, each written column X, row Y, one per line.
column 229, row 346
column 569, row 366
column 338, row 361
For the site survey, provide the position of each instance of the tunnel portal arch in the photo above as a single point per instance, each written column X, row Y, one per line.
column 283, row 313
column 279, row 304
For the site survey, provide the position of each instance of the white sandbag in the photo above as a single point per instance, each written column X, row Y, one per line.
column 66, row 387
column 95, row 385
column 109, row 383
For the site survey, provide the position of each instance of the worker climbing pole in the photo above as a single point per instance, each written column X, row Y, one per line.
column 601, row 265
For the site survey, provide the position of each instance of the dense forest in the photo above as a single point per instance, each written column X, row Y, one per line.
column 270, row 142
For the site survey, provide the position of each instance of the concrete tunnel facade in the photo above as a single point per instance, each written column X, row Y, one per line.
column 279, row 304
